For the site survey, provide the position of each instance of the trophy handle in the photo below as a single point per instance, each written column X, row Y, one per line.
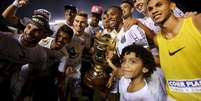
column 111, row 64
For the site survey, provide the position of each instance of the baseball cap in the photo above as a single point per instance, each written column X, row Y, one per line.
column 96, row 9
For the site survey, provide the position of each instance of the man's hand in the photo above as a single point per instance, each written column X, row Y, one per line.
column 92, row 50
column 188, row 14
column 128, row 23
column 70, row 71
column 110, row 82
column 20, row 3
column 98, row 35
column 117, row 73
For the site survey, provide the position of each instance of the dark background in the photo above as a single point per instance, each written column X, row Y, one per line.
column 56, row 6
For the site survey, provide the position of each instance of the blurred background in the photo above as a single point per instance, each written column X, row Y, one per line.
column 56, row 7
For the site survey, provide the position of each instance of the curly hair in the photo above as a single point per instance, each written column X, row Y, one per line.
column 144, row 54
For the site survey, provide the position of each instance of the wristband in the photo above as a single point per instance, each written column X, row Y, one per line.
column 16, row 4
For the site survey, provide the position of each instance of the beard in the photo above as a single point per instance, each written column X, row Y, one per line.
column 27, row 41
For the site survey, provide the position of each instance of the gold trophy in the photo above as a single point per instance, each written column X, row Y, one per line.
column 96, row 77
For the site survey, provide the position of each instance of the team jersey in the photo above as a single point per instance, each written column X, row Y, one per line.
column 180, row 59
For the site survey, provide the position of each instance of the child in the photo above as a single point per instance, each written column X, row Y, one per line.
column 140, row 80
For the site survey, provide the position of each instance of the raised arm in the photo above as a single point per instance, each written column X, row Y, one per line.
column 149, row 33
column 9, row 13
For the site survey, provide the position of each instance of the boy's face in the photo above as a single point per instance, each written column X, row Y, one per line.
column 62, row 38
column 80, row 23
column 132, row 66
column 159, row 10
column 127, row 9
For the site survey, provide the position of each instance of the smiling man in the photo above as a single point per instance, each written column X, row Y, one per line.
column 20, row 49
column 179, row 46
column 79, row 42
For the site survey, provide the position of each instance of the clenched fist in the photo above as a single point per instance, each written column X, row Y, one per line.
column 20, row 3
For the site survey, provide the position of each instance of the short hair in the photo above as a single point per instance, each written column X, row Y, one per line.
column 82, row 14
column 128, row 2
column 116, row 8
column 65, row 28
column 144, row 55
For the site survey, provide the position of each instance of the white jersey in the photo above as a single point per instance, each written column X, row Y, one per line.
column 154, row 89
column 177, row 12
column 134, row 35
column 75, row 49
column 143, row 94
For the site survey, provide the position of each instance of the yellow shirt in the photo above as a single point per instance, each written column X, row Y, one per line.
column 180, row 60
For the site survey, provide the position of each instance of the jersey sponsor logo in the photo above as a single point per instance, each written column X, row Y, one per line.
column 176, row 51
column 72, row 53
column 185, row 86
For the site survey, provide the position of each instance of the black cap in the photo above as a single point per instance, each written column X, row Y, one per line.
column 71, row 7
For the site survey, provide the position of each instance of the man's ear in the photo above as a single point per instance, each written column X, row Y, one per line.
column 173, row 5
column 145, row 70
column 65, row 14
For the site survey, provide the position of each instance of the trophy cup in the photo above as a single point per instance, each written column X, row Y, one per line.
column 96, row 77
